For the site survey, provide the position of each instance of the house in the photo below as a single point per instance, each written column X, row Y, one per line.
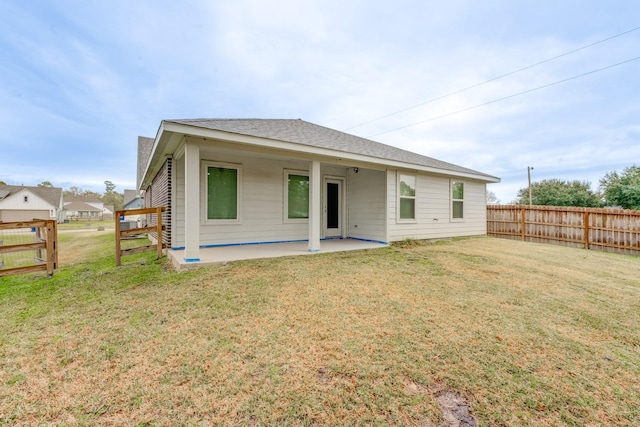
column 23, row 203
column 108, row 211
column 86, row 208
column 242, row 181
column 132, row 200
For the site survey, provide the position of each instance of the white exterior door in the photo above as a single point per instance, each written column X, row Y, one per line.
column 333, row 207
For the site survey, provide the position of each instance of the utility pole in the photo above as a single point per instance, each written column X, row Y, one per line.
column 529, row 168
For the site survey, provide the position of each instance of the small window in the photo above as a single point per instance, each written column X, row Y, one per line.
column 457, row 200
column 26, row 199
column 407, row 196
column 296, row 196
column 222, row 192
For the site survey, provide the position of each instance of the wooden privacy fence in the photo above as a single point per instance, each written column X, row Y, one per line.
column 610, row 230
column 136, row 231
column 28, row 246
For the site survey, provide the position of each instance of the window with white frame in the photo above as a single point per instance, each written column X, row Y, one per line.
column 222, row 187
column 406, row 197
column 296, row 201
column 457, row 200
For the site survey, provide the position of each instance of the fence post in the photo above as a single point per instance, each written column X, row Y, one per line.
column 118, row 254
column 523, row 225
column 586, row 229
column 159, row 230
column 50, row 248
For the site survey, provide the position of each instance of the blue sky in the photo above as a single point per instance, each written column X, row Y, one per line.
column 80, row 80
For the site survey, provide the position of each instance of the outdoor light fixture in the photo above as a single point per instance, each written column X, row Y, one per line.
column 355, row 170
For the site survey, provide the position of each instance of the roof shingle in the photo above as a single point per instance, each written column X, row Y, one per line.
column 305, row 133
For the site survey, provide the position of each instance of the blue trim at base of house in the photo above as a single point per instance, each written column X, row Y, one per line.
column 222, row 245
column 369, row 240
column 191, row 259
column 314, row 250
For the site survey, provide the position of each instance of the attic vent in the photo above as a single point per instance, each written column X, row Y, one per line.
column 26, row 199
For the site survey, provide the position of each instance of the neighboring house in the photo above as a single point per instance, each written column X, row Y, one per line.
column 21, row 203
column 108, row 211
column 77, row 211
column 239, row 181
column 132, row 200
column 85, row 208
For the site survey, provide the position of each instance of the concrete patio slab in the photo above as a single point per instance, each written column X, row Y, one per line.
column 221, row 255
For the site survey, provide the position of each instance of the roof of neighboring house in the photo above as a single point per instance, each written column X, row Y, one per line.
column 133, row 204
column 129, row 195
column 51, row 195
column 110, row 208
column 81, row 207
column 305, row 133
column 83, row 199
column 145, row 147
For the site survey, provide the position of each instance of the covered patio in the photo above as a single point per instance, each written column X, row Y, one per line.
column 220, row 255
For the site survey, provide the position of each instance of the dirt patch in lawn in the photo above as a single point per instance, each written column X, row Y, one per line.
column 455, row 408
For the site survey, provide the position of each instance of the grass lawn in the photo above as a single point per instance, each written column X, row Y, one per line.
column 87, row 225
column 527, row 334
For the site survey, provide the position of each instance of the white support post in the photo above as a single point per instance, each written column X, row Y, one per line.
column 192, row 202
column 314, row 207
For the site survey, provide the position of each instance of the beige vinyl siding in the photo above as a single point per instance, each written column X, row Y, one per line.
column 23, row 215
column 433, row 209
column 366, row 204
column 178, row 238
column 262, row 204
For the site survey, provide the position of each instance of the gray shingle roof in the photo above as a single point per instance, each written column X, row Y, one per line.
column 51, row 195
column 129, row 195
column 81, row 207
column 145, row 146
column 305, row 133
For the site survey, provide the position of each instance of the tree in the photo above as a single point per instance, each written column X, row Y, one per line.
column 3, row 183
column 492, row 199
column 112, row 197
column 556, row 192
column 73, row 191
column 46, row 184
column 622, row 189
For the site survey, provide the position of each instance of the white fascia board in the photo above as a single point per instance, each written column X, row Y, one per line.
column 161, row 146
column 338, row 156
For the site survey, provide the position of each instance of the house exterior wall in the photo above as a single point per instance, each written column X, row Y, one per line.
column 371, row 204
column 14, row 208
column 262, row 201
column 366, row 204
column 159, row 194
column 261, row 204
column 433, row 209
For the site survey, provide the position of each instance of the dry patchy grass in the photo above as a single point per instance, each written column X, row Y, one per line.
column 529, row 334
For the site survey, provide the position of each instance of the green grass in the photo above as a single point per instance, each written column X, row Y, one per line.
column 87, row 224
column 529, row 334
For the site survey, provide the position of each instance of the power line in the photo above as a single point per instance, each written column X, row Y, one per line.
column 508, row 97
column 494, row 79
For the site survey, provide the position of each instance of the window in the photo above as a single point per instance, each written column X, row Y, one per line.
column 457, row 200
column 407, row 196
column 223, row 189
column 297, row 196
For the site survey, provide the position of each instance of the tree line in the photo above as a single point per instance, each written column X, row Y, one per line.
column 615, row 189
